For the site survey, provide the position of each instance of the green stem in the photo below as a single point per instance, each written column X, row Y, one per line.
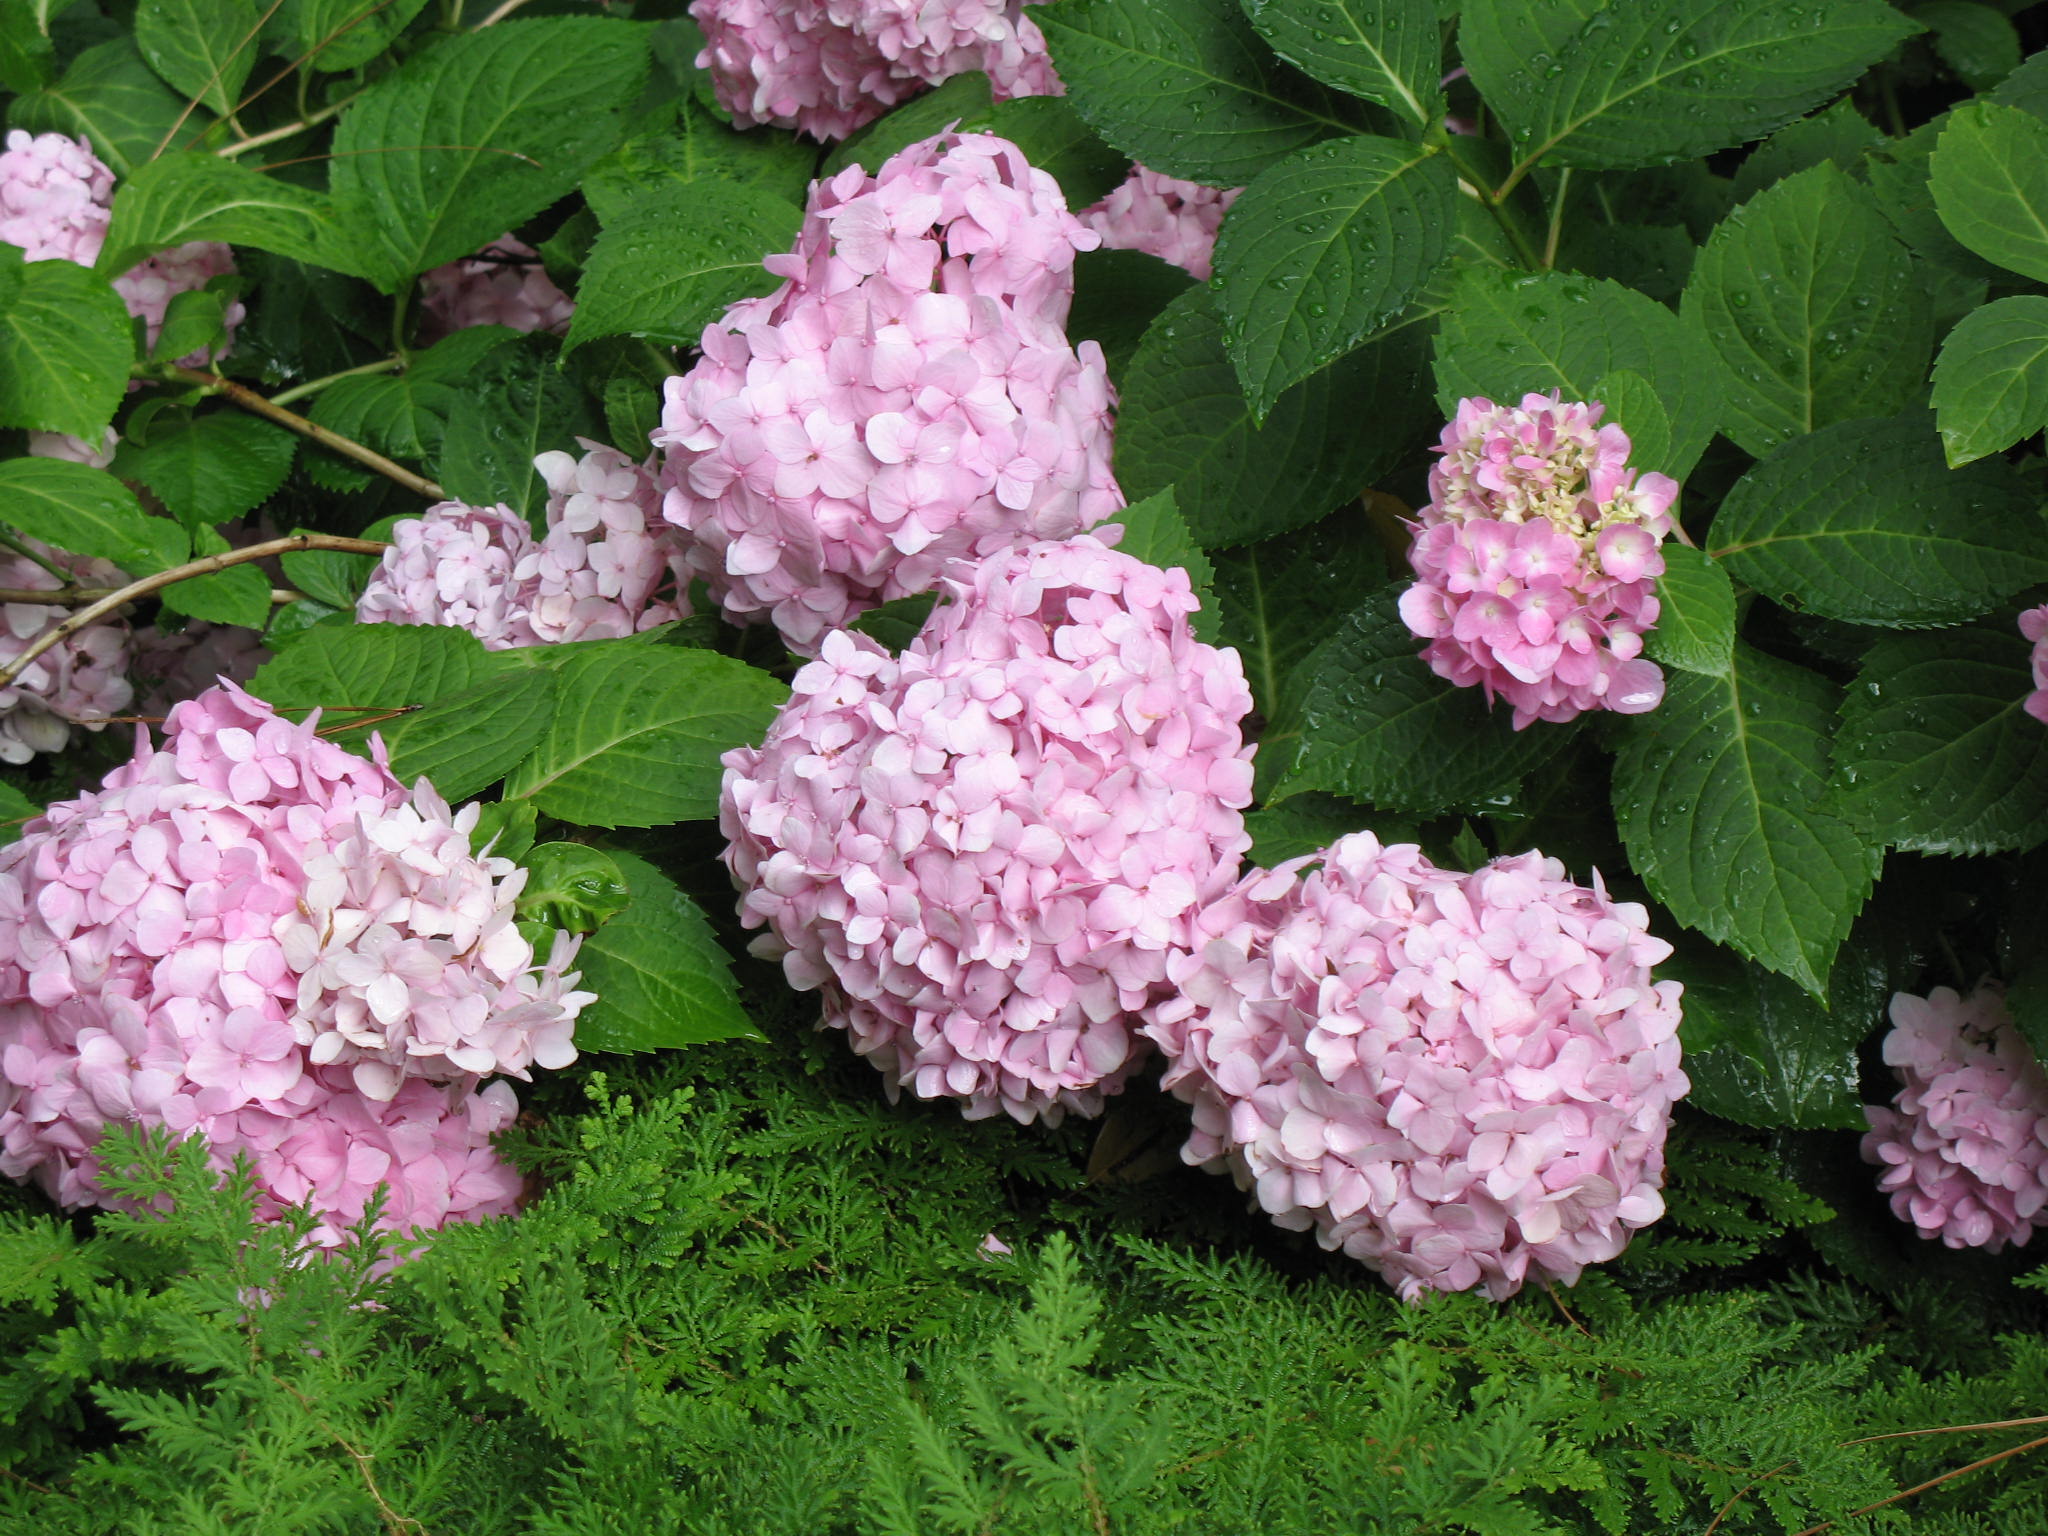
column 9, row 541
column 314, row 386
column 1557, row 202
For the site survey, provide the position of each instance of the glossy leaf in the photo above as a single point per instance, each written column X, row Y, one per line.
column 1384, row 50
column 88, row 512
column 1696, row 614
column 1989, row 177
column 661, row 977
column 65, row 347
column 1991, row 380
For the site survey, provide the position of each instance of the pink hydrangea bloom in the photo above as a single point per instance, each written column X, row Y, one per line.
column 1536, row 560
column 172, row 666
column 251, row 934
column 908, row 396
column 828, row 67
column 986, row 853
column 1964, row 1146
column 1164, row 217
column 79, row 682
column 502, row 284
column 1459, row 1079
column 608, row 566
column 76, row 450
column 55, row 203
column 2034, row 625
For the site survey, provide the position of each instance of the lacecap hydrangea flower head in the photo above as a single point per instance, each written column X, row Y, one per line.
column 250, row 934
column 607, row 567
column 829, row 67
column 907, row 397
column 56, row 201
column 1964, row 1146
column 1459, row 1079
column 986, row 852
column 1536, row 560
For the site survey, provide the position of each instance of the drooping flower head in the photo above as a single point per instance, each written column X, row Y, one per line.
column 607, row 567
column 905, row 398
column 1460, row 1079
column 56, row 203
column 1163, row 216
column 986, row 852
column 502, row 284
column 1536, row 560
column 1964, row 1146
column 254, row 935
column 828, row 67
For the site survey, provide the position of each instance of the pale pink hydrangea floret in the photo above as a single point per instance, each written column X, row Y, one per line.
column 2034, row 625
column 1460, row 1079
column 1536, row 560
column 250, row 934
column 607, row 567
column 1964, row 1146
column 986, row 852
column 79, row 682
column 1165, row 217
column 828, row 67
column 502, row 284
column 56, row 203
column 908, row 396
column 75, row 450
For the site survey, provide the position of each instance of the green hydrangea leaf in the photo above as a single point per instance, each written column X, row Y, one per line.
column 65, row 347
column 207, row 469
column 1991, row 380
column 1384, row 50
column 111, row 96
column 1989, row 176
column 88, row 512
column 204, row 48
column 1696, row 614
column 661, row 977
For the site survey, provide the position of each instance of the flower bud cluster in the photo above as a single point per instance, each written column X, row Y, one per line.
column 1459, row 1079
column 607, row 567
column 986, row 852
column 56, row 203
column 828, row 67
column 502, row 284
column 1162, row 216
column 907, row 397
column 250, row 934
column 1964, row 1146
column 1536, row 560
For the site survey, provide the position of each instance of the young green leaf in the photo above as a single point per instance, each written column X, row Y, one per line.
column 1322, row 250
column 1991, row 380
column 204, row 48
column 1184, row 422
column 1813, row 308
column 1696, row 619
column 207, row 469
column 238, row 595
column 406, row 413
column 478, row 132
column 111, row 96
column 669, row 264
column 1759, row 1051
column 638, row 734
column 1376, row 725
column 661, row 977
column 1989, row 176
column 198, row 196
column 1936, row 752
column 65, row 346
column 195, row 321
column 572, row 886
column 1646, row 82
column 1864, row 522
column 88, row 512
column 16, row 809
column 1384, row 50
column 1187, row 87
column 1719, row 793
column 330, row 576
column 347, row 34
column 521, row 406
column 1507, row 333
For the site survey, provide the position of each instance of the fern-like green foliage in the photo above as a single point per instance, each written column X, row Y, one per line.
column 749, row 1298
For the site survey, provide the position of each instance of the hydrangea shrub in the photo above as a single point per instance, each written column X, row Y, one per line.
column 1419, row 603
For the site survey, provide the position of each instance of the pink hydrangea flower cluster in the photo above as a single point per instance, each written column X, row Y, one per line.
column 608, row 566
column 908, row 396
column 1459, row 1079
column 250, row 934
column 1164, row 217
column 79, row 682
column 502, row 284
column 828, row 67
column 1964, row 1146
column 56, row 203
column 1536, row 560
column 2034, row 625
column 986, row 852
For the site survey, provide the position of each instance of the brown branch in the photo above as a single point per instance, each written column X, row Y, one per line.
column 206, row 566
column 1932, row 1482
column 333, row 442
column 55, row 597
